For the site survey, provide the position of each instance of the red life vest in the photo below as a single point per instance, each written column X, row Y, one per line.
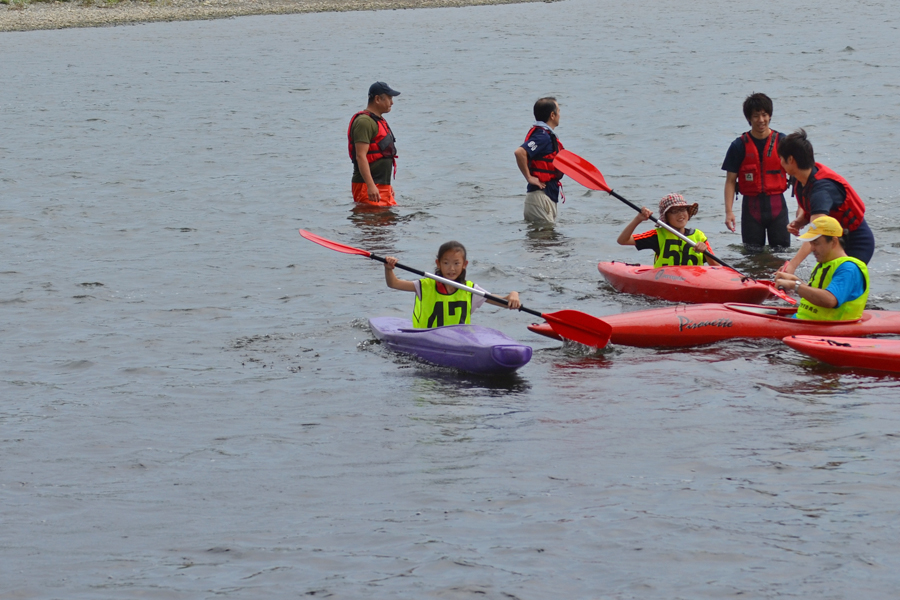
column 542, row 166
column 381, row 146
column 757, row 177
column 849, row 214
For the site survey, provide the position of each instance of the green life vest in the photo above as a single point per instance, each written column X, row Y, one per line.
column 435, row 309
column 675, row 252
column 821, row 278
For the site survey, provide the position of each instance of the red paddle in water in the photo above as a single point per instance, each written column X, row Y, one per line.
column 590, row 177
column 570, row 324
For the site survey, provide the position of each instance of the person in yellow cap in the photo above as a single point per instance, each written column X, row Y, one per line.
column 839, row 285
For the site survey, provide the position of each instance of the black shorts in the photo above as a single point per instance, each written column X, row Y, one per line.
column 765, row 216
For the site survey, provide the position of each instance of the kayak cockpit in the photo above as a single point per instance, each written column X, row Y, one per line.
column 784, row 312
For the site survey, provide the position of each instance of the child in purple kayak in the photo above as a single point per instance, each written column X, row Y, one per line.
column 436, row 304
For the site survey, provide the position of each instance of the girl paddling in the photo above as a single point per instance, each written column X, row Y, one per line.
column 671, row 251
column 436, row 304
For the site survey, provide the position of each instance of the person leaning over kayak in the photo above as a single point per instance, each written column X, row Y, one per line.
column 753, row 169
column 822, row 192
column 839, row 285
column 671, row 251
column 436, row 304
column 370, row 143
column 535, row 160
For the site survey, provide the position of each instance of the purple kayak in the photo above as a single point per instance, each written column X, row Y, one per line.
column 471, row 348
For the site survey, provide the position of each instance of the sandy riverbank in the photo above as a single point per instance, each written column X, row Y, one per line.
column 21, row 15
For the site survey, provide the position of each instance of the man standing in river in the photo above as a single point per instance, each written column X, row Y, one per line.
column 753, row 168
column 370, row 143
column 822, row 192
column 535, row 160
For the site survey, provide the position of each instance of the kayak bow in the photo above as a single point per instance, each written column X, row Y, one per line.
column 471, row 348
column 874, row 354
column 691, row 284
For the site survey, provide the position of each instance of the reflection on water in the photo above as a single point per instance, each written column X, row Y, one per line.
column 841, row 380
column 543, row 237
column 447, row 382
column 764, row 263
column 375, row 228
column 581, row 359
column 760, row 264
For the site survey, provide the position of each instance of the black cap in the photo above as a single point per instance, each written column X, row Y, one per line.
column 380, row 87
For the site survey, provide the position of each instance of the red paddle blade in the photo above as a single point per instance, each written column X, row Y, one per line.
column 580, row 327
column 773, row 289
column 333, row 245
column 580, row 170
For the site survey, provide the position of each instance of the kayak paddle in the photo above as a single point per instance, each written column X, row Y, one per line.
column 570, row 324
column 590, row 177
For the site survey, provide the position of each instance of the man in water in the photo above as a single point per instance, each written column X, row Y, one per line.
column 535, row 160
column 753, row 168
column 373, row 152
column 839, row 285
column 820, row 192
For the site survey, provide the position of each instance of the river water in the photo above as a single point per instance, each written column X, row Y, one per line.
column 192, row 406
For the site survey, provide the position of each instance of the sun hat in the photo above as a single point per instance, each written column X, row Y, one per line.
column 380, row 87
column 673, row 200
column 823, row 226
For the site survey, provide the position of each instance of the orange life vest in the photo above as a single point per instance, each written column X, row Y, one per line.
column 542, row 166
column 764, row 176
column 381, row 146
column 849, row 214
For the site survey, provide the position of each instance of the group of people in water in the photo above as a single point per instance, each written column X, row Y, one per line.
column 760, row 165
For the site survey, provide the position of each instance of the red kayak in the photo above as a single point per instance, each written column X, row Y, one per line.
column 876, row 354
column 690, row 284
column 697, row 324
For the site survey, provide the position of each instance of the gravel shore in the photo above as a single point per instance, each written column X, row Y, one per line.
column 22, row 15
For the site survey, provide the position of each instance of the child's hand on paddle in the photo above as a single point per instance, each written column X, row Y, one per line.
column 513, row 299
column 390, row 262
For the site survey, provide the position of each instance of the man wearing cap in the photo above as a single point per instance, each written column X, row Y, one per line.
column 753, row 169
column 372, row 149
column 822, row 192
column 839, row 285
column 535, row 160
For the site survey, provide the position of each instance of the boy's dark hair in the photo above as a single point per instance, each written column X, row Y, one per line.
column 842, row 240
column 797, row 146
column 543, row 108
column 448, row 247
column 755, row 102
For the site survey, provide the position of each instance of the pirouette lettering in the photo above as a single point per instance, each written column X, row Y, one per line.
column 686, row 323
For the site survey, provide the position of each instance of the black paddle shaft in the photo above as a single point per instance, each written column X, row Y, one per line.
column 502, row 301
column 706, row 253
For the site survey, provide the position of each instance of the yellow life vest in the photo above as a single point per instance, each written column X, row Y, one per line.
column 435, row 309
column 821, row 278
column 675, row 252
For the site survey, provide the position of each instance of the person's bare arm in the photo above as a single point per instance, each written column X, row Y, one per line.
column 730, row 189
column 522, row 162
column 391, row 279
column 362, row 151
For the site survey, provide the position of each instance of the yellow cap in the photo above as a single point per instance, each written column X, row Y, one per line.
column 823, row 226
